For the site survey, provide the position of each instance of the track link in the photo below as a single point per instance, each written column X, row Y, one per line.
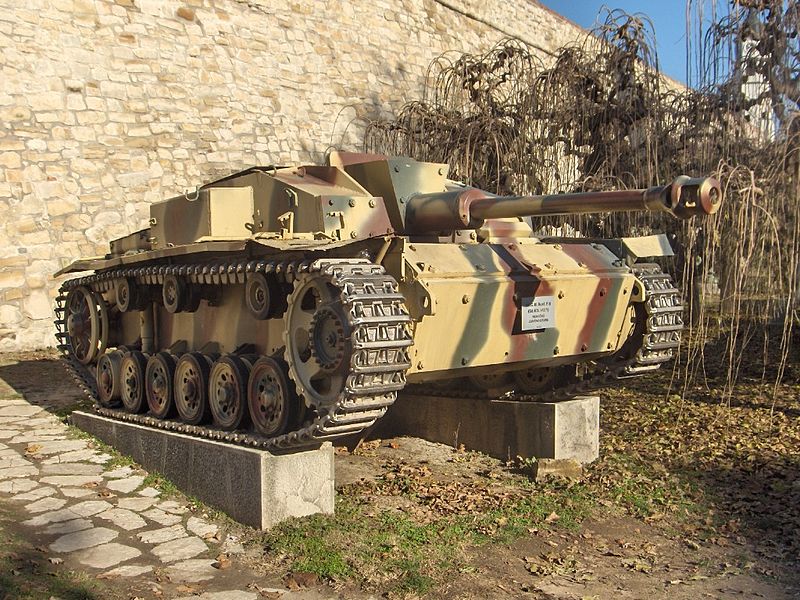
column 380, row 330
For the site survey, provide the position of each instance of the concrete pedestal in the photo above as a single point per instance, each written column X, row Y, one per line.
column 254, row 487
column 500, row 428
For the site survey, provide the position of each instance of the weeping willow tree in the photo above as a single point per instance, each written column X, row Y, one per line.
column 600, row 116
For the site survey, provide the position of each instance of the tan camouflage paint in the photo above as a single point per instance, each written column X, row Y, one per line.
column 466, row 301
column 482, row 298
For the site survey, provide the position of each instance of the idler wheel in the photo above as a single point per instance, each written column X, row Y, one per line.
column 132, row 369
column 227, row 392
column 191, row 388
column 174, row 293
column 83, row 324
column 158, row 378
column 109, row 378
column 270, row 396
column 318, row 342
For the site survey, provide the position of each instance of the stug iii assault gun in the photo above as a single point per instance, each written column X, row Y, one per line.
column 281, row 306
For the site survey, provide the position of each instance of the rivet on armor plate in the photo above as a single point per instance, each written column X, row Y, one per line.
column 555, row 350
column 561, row 294
column 372, row 203
column 464, row 360
column 352, row 202
column 465, row 299
column 419, row 365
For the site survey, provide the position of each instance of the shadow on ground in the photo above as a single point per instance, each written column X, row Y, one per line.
column 738, row 465
column 739, row 457
column 43, row 380
column 25, row 572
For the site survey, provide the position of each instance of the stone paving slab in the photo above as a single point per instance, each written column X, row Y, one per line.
column 128, row 484
column 45, row 504
column 71, row 456
column 162, row 518
column 71, row 480
column 127, row 571
column 83, row 539
column 179, row 549
column 98, row 518
column 36, row 493
column 136, row 504
column 107, row 555
column 160, row 536
column 17, row 472
column 71, row 469
column 119, row 472
column 192, row 571
column 19, row 410
column 57, row 446
column 17, row 485
column 201, row 528
column 69, row 526
column 123, row 518
column 71, row 492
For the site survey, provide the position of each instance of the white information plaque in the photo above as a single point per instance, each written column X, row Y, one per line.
column 538, row 313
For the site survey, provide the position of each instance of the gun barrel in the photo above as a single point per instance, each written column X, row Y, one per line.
column 684, row 198
column 558, row 204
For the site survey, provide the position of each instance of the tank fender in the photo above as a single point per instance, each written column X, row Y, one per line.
column 648, row 246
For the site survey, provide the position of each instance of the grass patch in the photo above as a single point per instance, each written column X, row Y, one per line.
column 161, row 483
column 646, row 491
column 63, row 412
column 404, row 554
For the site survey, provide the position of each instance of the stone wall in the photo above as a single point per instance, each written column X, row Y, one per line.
column 107, row 106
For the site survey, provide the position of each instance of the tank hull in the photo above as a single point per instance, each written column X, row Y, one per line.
column 280, row 307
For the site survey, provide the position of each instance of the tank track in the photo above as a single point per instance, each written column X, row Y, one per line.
column 380, row 326
column 661, row 336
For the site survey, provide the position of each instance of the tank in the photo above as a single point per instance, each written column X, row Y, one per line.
column 281, row 306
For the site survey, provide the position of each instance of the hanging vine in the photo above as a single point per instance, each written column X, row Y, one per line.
column 600, row 116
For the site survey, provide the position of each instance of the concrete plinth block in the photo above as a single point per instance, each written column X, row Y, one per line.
column 254, row 487
column 501, row 428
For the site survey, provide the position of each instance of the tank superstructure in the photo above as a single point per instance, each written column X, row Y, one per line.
column 281, row 306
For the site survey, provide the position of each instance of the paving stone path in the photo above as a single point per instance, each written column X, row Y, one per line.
column 104, row 520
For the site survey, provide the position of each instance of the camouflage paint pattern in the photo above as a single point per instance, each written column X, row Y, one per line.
column 484, row 294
